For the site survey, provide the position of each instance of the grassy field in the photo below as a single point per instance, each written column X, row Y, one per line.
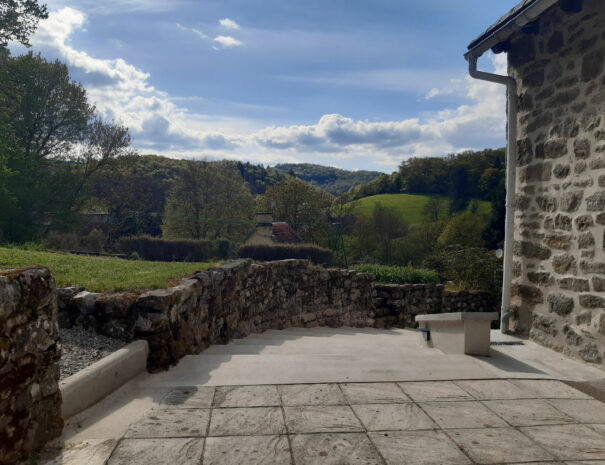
column 409, row 205
column 101, row 274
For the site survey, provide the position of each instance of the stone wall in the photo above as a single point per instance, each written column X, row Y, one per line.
column 241, row 298
column 30, row 402
column 559, row 269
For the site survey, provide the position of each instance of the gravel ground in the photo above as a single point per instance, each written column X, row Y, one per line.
column 81, row 348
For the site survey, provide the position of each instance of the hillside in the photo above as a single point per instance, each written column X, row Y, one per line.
column 333, row 180
column 409, row 205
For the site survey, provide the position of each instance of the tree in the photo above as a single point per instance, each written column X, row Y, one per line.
column 53, row 145
column 19, row 19
column 295, row 201
column 204, row 194
column 432, row 208
column 464, row 230
column 388, row 226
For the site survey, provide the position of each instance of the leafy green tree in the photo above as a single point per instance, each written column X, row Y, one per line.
column 432, row 209
column 19, row 19
column 53, row 145
column 464, row 229
column 388, row 226
column 208, row 201
column 492, row 185
column 295, row 201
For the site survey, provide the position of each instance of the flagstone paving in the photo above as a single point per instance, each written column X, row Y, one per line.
column 421, row 423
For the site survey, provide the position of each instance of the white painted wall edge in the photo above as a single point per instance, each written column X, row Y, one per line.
column 95, row 382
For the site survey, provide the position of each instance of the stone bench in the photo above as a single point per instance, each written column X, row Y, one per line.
column 458, row 333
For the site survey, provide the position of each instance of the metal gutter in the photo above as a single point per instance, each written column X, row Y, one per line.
column 511, row 156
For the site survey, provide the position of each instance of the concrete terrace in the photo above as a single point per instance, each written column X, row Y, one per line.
column 346, row 396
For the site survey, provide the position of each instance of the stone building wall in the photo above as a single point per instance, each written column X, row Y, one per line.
column 30, row 401
column 241, row 298
column 559, row 270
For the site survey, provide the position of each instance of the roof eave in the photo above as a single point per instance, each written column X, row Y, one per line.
column 501, row 34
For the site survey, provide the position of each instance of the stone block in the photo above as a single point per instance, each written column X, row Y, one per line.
column 525, row 152
column 560, row 304
column 574, row 284
column 592, row 64
column 586, row 240
column 583, row 222
column 561, row 171
column 596, row 201
column 584, row 318
column 563, row 222
column 592, row 301
column 541, row 278
column 598, row 284
column 564, row 264
column 592, row 267
column 558, row 241
column 531, row 250
column 590, row 353
column 570, row 201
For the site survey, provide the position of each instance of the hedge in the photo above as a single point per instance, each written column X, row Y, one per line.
column 168, row 250
column 263, row 252
column 399, row 274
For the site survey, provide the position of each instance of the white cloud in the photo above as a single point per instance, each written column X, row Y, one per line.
column 195, row 31
column 161, row 124
column 228, row 41
column 228, row 24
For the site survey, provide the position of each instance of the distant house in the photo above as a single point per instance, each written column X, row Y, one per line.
column 554, row 286
column 268, row 232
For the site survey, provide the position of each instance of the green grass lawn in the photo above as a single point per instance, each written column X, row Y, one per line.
column 409, row 205
column 101, row 274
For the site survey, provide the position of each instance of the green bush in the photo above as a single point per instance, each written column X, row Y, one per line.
column 171, row 250
column 470, row 268
column 263, row 252
column 399, row 274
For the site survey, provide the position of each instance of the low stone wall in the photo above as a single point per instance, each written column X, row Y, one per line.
column 241, row 298
column 30, row 401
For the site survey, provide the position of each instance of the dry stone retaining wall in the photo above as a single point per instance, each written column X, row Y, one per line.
column 241, row 298
column 30, row 401
column 559, row 284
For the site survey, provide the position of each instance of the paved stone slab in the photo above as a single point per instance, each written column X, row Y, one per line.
column 528, row 412
column 584, row 411
column 586, row 462
column 322, row 419
column 598, row 428
column 569, row 442
column 392, row 417
column 181, row 451
column 247, row 421
column 249, row 450
column 435, row 391
column 246, row 396
column 418, row 448
column 171, row 423
column 498, row 445
column 298, row 395
column 334, row 449
column 550, row 389
column 463, row 414
column 189, row 397
column 92, row 452
column 373, row 393
column 495, row 389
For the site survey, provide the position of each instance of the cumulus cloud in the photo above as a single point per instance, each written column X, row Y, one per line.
column 228, row 24
column 228, row 41
column 161, row 124
column 451, row 130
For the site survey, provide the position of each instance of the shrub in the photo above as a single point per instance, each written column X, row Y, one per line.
column 62, row 241
column 399, row 274
column 94, row 241
column 471, row 268
column 168, row 250
column 265, row 252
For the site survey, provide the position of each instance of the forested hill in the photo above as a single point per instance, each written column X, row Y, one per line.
column 466, row 175
column 333, row 180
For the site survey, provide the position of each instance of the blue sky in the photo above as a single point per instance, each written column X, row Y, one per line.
column 353, row 84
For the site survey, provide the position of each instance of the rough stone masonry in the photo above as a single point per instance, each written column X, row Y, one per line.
column 30, row 401
column 559, row 270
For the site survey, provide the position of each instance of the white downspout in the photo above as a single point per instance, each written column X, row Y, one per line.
column 511, row 162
